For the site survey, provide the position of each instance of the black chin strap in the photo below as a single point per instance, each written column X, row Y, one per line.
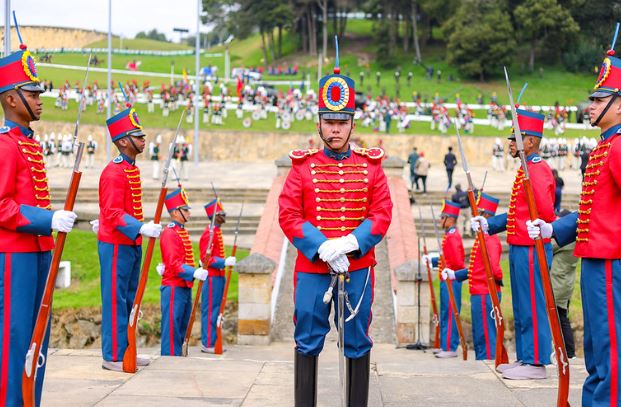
column 603, row 113
column 21, row 96
column 183, row 216
column 129, row 137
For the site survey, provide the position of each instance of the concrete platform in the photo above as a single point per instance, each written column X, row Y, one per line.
column 263, row 377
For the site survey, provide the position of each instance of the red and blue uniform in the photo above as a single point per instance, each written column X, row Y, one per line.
column 595, row 229
column 176, row 288
column 454, row 256
column 25, row 254
column 328, row 195
column 213, row 289
column 532, row 331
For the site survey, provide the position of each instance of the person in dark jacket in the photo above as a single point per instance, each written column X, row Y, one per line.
column 450, row 161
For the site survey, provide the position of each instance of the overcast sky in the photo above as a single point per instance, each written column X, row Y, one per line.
column 128, row 16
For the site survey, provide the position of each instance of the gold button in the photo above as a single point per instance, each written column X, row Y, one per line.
column 364, row 199
column 319, row 208
column 342, row 228
column 364, row 208
column 342, row 190
column 365, row 189
column 364, row 165
column 318, row 227
column 313, row 165
column 366, row 180
column 340, row 165
column 318, row 217
column 341, row 180
column 316, row 189
column 315, row 180
column 365, row 172
column 342, row 209
column 317, row 199
column 313, row 172
column 342, row 199
column 343, row 218
column 340, row 172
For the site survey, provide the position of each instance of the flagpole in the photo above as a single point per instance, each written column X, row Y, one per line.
column 7, row 27
column 197, row 80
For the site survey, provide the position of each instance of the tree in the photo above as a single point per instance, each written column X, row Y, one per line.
column 480, row 38
column 152, row 35
column 541, row 20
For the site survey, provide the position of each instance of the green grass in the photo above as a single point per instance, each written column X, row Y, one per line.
column 156, row 120
column 139, row 43
column 81, row 250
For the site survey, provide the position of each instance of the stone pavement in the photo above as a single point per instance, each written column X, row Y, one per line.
column 252, row 376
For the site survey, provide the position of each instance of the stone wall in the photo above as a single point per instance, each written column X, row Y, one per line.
column 245, row 146
column 53, row 37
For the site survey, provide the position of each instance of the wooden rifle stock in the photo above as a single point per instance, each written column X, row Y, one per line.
column 434, row 306
column 501, row 352
column 129, row 358
column 45, row 309
column 560, row 352
column 218, row 345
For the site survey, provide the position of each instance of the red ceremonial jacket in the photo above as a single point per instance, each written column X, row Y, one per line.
column 477, row 277
column 452, row 251
column 216, row 262
column 25, row 215
column 328, row 195
column 514, row 221
column 599, row 213
column 120, row 203
column 177, row 256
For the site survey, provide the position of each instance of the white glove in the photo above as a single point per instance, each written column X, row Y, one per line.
column 448, row 274
column 160, row 269
column 479, row 221
column 348, row 244
column 230, row 261
column 426, row 259
column 200, row 274
column 95, row 225
column 340, row 264
column 62, row 221
column 328, row 250
column 151, row 229
column 539, row 227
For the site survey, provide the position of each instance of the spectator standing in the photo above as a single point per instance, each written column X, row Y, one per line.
column 412, row 160
column 461, row 197
column 422, row 170
column 450, row 161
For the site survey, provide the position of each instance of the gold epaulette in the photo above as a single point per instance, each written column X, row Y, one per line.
column 374, row 153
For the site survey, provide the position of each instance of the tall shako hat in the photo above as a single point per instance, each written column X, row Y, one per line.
column 531, row 123
column 214, row 206
column 450, row 208
column 487, row 203
column 18, row 70
column 336, row 93
column 177, row 199
column 609, row 79
column 125, row 123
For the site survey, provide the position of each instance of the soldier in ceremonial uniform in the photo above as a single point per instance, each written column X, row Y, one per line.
column 91, row 148
column 596, row 228
column 532, row 330
column 454, row 256
column 483, row 326
column 178, row 276
column 216, row 264
column 335, row 207
column 120, row 234
column 26, row 223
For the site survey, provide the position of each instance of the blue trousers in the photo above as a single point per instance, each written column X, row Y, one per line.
column 176, row 305
column 120, row 270
column 601, row 306
column 449, row 336
column 311, row 316
column 533, row 341
column 213, row 289
column 22, row 282
column 483, row 326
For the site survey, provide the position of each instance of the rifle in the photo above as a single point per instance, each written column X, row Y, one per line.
column 501, row 353
column 555, row 327
column 218, row 345
column 199, row 289
column 434, row 306
column 449, row 286
column 31, row 364
column 129, row 357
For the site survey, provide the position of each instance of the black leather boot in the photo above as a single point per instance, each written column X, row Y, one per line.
column 305, row 368
column 358, row 381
